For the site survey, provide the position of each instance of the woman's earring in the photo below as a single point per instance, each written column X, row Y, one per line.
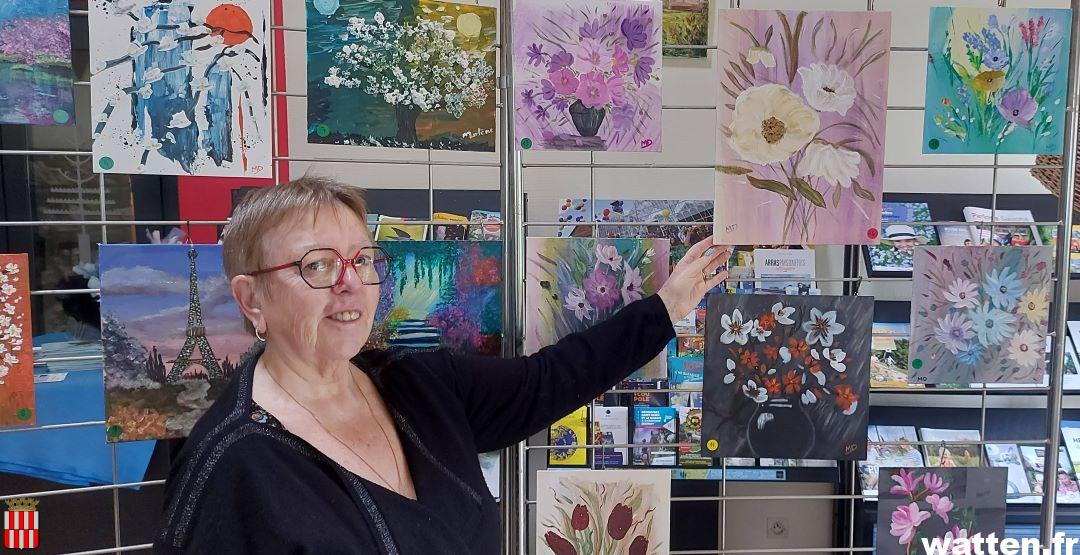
column 259, row 336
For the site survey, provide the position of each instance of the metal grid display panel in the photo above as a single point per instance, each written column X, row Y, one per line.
column 533, row 453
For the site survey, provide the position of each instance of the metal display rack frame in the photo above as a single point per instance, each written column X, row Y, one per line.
column 515, row 475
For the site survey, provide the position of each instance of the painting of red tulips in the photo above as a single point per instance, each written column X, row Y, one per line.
column 603, row 511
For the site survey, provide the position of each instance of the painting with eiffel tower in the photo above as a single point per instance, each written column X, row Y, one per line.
column 172, row 336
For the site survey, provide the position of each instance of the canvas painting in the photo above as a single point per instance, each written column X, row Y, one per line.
column 980, row 314
column 172, row 334
column 951, row 505
column 401, row 73
column 441, row 294
column 181, row 88
column 996, row 80
column 686, row 23
column 16, row 358
column 629, row 211
column 787, row 376
column 603, row 511
column 571, row 284
column 801, row 128
column 35, row 63
column 587, row 75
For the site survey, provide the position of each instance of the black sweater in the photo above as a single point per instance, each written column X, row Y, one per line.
column 244, row 484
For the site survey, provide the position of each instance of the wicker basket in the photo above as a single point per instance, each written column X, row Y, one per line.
column 1051, row 177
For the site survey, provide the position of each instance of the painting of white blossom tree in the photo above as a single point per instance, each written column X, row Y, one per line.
column 801, row 126
column 401, row 73
column 181, row 88
column 980, row 314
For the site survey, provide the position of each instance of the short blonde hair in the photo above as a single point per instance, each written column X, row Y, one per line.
column 266, row 208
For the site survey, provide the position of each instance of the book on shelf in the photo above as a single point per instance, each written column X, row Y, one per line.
column 889, row 355
column 485, row 225
column 947, row 447
column 655, row 425
column 1017, row 235
column 398, row 229
column 611, row 427
column 1033, row 457
column 690, row 439
column 444, row 232
column 1000, row 455
column 955, row 235
column 572, row 429
column 890, row 446
column 795, row 267
column 899, row 237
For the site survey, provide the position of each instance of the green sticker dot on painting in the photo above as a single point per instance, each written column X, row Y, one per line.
column 322, row 130
column 106, row 163
column 61, row 116
column 24, row 414
column 934, row 144
column 917, row 363
column 526, row 143
column 115, row 431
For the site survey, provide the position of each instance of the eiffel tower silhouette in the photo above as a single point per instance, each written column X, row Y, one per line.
column 196, row 335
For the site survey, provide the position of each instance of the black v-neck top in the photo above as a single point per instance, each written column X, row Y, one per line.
column 242, row 483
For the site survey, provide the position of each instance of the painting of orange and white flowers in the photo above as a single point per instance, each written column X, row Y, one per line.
column 787, row 376
column 801, row 126
column 980, row 314
column 603, row 511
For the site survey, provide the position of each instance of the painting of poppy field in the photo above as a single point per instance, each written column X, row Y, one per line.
column 996, row 80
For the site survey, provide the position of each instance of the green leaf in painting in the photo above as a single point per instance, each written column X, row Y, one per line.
column 860, row 192
column 770, row 185
column 733, row 170
column 807, row 191
column 836, row 196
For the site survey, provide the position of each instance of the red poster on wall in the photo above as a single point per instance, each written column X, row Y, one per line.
column 16, row 357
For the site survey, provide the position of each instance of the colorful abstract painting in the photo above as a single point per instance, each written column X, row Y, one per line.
column 686, row 23
column 952, row 506
column 603, row 511
column 996, row 80
column 627, row 211
column 441, row 294
column 16, row 358
column 574, row 283
column 401, row 73
column 980, row 314
column 787, row 376
column 35, row 63
column 172, row 335
column 801, row 129
column 587, row 75
column 181, row 88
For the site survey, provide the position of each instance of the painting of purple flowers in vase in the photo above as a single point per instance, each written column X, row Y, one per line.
column 801, row 126
column 574, row 283
column 980, row 314
column 996, row 80
column 587, row 75
column 955, row 508
column 787, row 376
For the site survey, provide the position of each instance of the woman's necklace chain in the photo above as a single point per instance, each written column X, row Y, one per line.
column 386, row 436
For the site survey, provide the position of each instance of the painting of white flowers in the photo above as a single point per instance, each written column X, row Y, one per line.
column 574, row 283
column 980, row 314
column 787, row 376
column 16, row 358
column 401, row 73
column 801, row 129
column 587, row 74
column 180, row 88
column 603, row 511
column 953, row 506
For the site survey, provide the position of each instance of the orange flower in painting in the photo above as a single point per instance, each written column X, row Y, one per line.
column 772, row 386
column 771, row 352
column 767, row 321
column 846, row 399
column 798, row 348
column 792, row 383
column 749, row 358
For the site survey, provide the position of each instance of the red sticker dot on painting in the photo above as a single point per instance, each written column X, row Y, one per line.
column 872, row 233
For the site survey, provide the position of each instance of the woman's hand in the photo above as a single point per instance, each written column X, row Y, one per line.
column 693, row 276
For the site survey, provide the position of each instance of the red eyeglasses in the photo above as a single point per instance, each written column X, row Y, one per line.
column 324, row 268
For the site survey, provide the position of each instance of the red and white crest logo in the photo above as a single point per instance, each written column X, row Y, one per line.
column 21, row 524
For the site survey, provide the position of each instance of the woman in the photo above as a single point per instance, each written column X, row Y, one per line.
column 313, row 448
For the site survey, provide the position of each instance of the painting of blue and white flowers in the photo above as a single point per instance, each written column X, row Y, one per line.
column 996, row 80
column 980, row 314
column 181, row 87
